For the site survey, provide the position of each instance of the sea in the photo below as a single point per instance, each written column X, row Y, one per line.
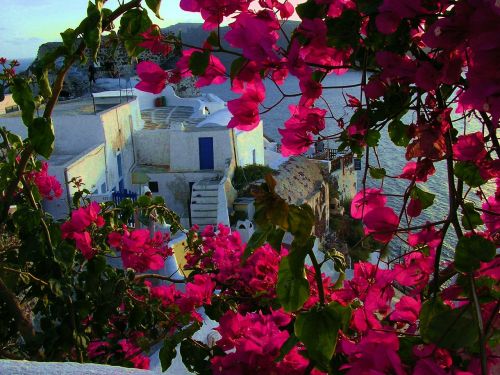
column 390, row 156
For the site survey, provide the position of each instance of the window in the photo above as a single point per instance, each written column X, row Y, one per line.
column 103, row 188
column 153, row 186
column 121, row 185
column 119, row 163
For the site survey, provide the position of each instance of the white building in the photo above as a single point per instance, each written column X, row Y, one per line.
column 186, row 153
column 181, row 150
column 93, row 142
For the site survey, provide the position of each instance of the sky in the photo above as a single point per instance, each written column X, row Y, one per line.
column 25, row 24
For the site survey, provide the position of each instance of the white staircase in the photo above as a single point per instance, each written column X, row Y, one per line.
column 204, row 203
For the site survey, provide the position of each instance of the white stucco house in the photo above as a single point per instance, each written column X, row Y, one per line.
column 93, row 141
column 181, row 150
column 186, row 153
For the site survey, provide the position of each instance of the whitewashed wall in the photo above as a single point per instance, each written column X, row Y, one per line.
column 184, row 148
column 248, row 141
column 174, row 188
column 152, row 146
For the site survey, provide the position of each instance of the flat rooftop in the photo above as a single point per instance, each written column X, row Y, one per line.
column 75, row 107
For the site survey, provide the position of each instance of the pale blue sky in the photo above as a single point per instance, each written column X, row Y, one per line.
column 25, row 24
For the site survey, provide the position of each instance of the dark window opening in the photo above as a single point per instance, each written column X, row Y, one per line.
column 153, row 186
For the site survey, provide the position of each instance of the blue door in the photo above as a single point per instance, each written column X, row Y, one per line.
column 206, row 152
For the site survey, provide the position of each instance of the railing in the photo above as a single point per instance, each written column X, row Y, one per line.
column 119, row 196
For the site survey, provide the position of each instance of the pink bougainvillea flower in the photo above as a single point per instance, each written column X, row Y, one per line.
column 134, row 354
column 48, row 186
column 427, row 236
column 469, row 147
column 375, row 88
column 256, row 34
column 214, row 11
column 245, row 110
column 77, row 227
column 139, row 251
column 153, row 77
column 419, row 171
column 253, row 341
column 381, row 223
column 376, row 353
column 154, row 41
column 407, row 310
column 415, row 271
column 427, row 76
column 201, row 289
column 414, row 208
column 366, row 200
column 490, row 215
column 306, row 119
column 295, row 142
column 213, row 74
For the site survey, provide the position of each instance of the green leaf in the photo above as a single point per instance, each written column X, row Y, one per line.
column 377, row 173
column 471, row 218
column 154, row 5
column 343, row 31
column 300, row 221
column 310, row 10
column 292, row 289
column 64, row 254
column 446, row 327
column 318, row 330
column 133, row 23
column 195, row 356
column 23, row 96
column 469, row 173
column 236, row 66
column 470, row 251
column 92, row 28
column 399, row 133
column 425, row 198
column 41, row 136
column 69, row 38
column 198, row 62
column 275, row 238
column 257, row 239
column 287, row 346
column 213, row 40
column 167, row 353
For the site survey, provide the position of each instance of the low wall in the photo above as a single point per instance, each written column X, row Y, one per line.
column 12, row 367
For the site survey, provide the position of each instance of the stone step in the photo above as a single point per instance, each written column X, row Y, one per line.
column 205, row 214
column 204, row 207
column 205, row 187
column 210, row 200
column 204, row 193
column 204, row 221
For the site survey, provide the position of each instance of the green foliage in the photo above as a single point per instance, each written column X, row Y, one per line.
column 425, row 198
column 154, row 5
column 318, row 329
column 41, row 135
column 377, row 173
column 470, row 251
column 23, row 96
column 471, row 218
column 399, row 133
column 448, row 328
column 468, row 172
column 293, row 287
column 248, row 174
column 132, row 24
column 198, row 62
